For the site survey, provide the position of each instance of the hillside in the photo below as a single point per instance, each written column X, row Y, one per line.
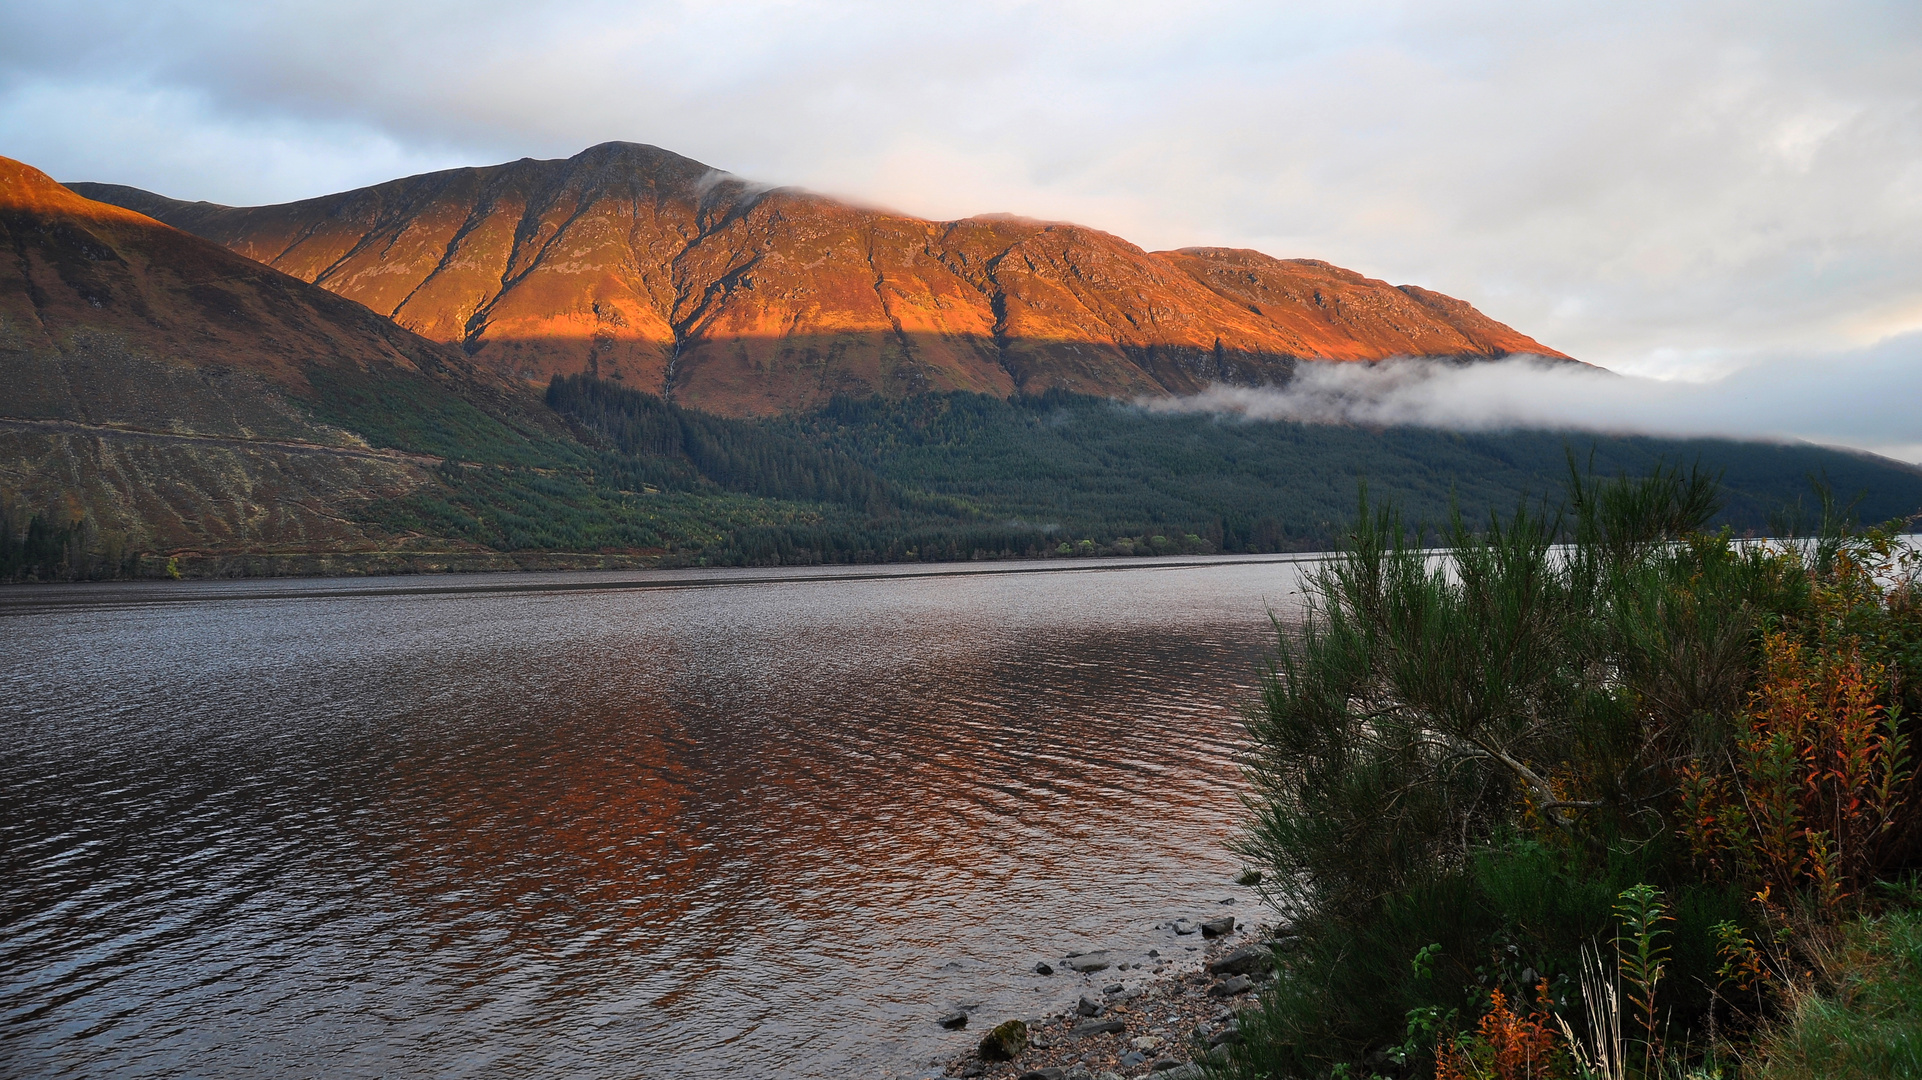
column 1066, row 468
column 637, row 265
column 173, row 405
column 164, row 395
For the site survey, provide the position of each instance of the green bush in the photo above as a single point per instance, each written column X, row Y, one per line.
column 1514, row 915
column 1486, row 747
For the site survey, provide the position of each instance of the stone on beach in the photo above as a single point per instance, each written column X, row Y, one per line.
column 1098, row 960
column 1097, row 1027
column 953, row 1020
column 1166, row 1019
column 1243, row 961
column 1005, row 1042
column 1220, row 926
column 1239, row 984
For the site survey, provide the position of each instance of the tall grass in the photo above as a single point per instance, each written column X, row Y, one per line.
column 1868, row 1026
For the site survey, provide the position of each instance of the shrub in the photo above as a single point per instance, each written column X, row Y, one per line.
column 1563, row 728
column 1818, row 781
column 1506, row 1045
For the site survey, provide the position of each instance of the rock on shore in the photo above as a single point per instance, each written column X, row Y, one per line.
column 1005, row 1042
column 1152, row 1028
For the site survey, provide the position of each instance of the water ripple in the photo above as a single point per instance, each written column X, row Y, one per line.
column 768, row 828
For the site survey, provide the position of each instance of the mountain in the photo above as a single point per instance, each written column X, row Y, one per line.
column 637, row 265
column 174, row 396
column 171, row 404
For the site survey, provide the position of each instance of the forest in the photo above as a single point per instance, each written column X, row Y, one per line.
column 594, row 467
column 1060, row 475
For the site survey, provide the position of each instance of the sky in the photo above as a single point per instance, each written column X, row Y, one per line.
column 1720, row 201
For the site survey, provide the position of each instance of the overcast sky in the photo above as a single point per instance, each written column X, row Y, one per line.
column 1671, row 190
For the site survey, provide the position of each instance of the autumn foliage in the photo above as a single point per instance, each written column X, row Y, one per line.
column 1814, row 798
column 1821, row 776
column 1506, row 1045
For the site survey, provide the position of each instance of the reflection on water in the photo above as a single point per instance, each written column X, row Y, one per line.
column 768, row 828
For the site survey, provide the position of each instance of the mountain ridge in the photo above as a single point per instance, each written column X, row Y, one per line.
column 175, row 406
column 175, row 396
column 630, row 262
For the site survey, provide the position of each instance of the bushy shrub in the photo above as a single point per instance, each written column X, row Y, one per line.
column 1592, row 728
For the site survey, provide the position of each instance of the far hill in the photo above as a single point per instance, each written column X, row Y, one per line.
column 634, row 264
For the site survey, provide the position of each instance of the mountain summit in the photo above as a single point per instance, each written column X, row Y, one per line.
column 636, row 264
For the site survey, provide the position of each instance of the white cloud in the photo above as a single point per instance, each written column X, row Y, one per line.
column 1659, row 188
column 1861, row 398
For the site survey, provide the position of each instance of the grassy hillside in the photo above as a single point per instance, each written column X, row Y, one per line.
column 174, row 407
column 600, row 472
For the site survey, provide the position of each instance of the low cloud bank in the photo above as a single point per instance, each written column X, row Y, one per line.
column 1868, row 399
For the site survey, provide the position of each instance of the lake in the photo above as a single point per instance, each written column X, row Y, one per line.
column 676, row 824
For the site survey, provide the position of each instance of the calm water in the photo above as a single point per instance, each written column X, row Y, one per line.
column 757, row 824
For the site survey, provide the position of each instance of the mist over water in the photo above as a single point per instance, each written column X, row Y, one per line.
column 766, row 829
column 1861, row 398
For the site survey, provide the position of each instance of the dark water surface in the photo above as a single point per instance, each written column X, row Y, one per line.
column 757, row 824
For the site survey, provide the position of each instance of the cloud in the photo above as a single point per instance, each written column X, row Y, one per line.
column 1860, row 398
column 180, row 135
column 1658, row 188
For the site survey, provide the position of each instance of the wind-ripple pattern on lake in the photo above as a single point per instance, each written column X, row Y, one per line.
column 765, row 829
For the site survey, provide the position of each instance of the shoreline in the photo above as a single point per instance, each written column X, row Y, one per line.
column 74, row 593
column 1152, row 1015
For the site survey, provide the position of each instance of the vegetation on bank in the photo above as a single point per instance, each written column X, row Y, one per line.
column 1597, row 792
column 1867, row 1024
column 48, row 545
column 597, row 469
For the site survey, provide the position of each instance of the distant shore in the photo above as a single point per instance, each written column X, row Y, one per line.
column 304, row 588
